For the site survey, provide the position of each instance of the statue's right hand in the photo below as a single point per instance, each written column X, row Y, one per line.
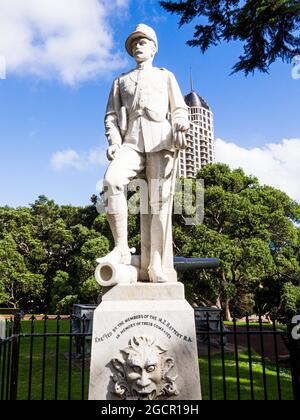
column 111, row 151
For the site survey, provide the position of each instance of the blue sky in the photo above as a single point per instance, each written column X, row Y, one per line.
column 54, row 96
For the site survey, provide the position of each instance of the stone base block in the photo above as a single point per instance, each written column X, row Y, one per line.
column 144, row 345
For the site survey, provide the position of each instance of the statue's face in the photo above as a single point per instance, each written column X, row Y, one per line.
column 143, row 49
column 144, row 374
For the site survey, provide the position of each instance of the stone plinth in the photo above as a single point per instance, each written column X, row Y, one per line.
column 144, row 345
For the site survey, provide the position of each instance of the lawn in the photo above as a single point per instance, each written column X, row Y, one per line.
column 56, row 386
column 244, row 373
column 256, row 325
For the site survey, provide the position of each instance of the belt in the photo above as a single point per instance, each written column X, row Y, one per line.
column 140, row 112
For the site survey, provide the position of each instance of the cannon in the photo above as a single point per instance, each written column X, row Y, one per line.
column 109, row 275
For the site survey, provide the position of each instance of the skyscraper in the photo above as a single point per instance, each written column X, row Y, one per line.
column 200, row 150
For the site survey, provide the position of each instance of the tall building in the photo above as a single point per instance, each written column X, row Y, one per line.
column 200, row 150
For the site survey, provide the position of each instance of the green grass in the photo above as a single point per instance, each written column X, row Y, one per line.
column 256, row 325
column 245, row 384
column 76, row 377
column 63, row 366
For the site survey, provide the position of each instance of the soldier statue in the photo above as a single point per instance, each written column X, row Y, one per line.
column 146, row 122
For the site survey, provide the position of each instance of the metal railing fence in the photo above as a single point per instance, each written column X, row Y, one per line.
column 48, row 359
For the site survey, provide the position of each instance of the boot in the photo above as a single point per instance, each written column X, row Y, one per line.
column 156, row 274
column 117, row 216
column 119, row 255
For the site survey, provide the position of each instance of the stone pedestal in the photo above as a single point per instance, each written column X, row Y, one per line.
column 144, row 345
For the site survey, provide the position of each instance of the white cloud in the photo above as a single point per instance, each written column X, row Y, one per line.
column 2, row 68
column 277, row 165
column 71, row 40
column 80, row 161
column 66, row 159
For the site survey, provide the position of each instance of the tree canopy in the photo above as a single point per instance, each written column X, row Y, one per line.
column 47, row 255
column 252, row 229
column 268, row 29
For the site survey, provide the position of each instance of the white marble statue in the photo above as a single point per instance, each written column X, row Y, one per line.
column 146, row 122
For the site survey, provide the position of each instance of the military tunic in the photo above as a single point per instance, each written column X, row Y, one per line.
column 151, row 102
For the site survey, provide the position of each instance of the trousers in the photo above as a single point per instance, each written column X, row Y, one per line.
column 155, row 168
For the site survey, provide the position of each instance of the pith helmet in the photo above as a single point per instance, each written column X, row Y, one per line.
column 141, row 31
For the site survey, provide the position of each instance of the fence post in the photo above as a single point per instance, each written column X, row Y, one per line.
column 15, row 356
column 294, row 347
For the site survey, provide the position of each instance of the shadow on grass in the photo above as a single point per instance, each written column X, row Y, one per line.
column 272, row 388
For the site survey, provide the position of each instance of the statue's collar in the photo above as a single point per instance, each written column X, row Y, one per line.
column 144, row 66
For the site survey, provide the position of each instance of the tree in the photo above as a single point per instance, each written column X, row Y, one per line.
column 268, row 29
column 62, row 292
column 251, row 228
column 18, row 286
column 89, row 252
column 48, row 253
column 291, row 298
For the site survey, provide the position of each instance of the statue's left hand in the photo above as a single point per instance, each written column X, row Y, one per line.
column 180, row 130
column 180, row 141
column 182, row 126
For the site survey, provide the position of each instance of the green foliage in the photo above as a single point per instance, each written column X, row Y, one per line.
column 61, row 289
column 268, row 29
column 17, row 284
column 65, row 305
column 291, row 298
column 89, row 291
column 251, row 228
column 47, row 255
column 89, row 252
